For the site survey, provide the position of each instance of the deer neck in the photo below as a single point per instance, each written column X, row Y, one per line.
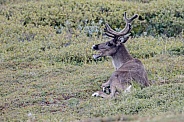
column 120, row 57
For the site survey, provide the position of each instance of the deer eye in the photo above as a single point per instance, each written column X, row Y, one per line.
column 109, row 44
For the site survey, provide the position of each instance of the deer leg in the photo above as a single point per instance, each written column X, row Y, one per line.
column 106, row 85
column 104, row 95
column 113, row 87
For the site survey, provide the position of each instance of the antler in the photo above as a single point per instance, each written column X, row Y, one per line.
column 112, row 33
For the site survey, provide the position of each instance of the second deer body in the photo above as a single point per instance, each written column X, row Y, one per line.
column 128, row 69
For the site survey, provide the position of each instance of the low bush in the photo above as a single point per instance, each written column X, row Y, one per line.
column 161, row 17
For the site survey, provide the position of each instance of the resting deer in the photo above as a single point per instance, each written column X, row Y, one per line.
column 128, row 69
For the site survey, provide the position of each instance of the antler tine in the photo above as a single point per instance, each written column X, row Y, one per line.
column 109, row 30
column 131, row 19
column 125, row 31
column 110, row 35
column 128, row 21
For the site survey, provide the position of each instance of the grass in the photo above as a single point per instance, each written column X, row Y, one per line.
column 63, row 91
column 46, row 76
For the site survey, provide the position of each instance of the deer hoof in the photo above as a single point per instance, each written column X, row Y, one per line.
column 103, row 89
column 96, row 94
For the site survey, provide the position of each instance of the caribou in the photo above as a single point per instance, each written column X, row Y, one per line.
column 128, row 70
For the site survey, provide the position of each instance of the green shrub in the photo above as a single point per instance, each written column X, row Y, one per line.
column 162, row 17
column 20, row 43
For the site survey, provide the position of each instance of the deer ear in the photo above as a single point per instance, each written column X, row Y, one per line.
column 125, row 38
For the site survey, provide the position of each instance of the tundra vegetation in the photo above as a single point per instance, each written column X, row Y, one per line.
column 47, row 72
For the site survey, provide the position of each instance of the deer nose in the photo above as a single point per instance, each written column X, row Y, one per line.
column 95, row 47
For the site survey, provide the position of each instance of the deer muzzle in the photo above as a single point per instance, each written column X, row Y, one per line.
column 95, row 47
column 96, row 56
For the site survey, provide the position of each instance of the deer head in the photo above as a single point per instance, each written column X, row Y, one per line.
column 109, row 48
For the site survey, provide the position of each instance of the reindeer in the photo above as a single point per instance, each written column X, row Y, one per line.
column 127, row 68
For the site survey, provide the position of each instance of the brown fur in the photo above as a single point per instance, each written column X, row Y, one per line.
column 128, row 69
